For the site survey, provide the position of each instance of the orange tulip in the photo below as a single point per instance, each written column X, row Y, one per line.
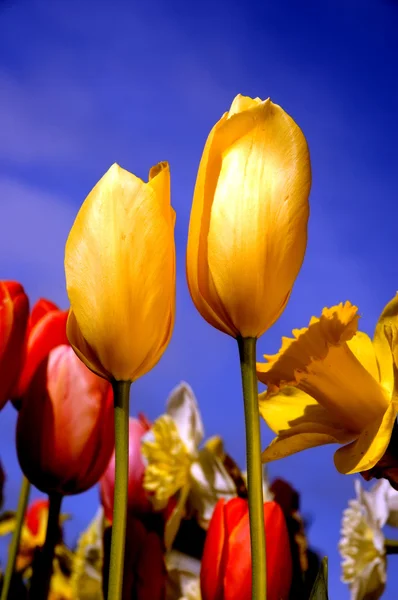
column 226, row 562
column 138, row 502
column 65, row 433
column 46, row 330
column 14, row 313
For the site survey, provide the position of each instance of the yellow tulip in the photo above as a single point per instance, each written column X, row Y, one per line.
column 248, row 227
column 120, row 274
column 333, row 384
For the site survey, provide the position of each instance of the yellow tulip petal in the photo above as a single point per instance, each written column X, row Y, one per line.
column 248, row 226
column 120, row 272
column 258, row 227
column 199, row 279
column 388, row 320
column 82, row 349
column 368, row 449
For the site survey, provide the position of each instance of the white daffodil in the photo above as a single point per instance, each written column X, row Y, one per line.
column 362, row 543
column 390, row 497
column 176, row 464
column 183, row 576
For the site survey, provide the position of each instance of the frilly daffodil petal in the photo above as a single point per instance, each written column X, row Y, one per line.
column 282, row 446
column 120, row 273
column 363, row 453
column 291, row 411
column 335, row 326
column 388, row 320
column 300, row 423
column 183, row 408
column 320, row 362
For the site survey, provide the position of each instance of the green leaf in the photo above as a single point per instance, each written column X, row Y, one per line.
column 320, row 589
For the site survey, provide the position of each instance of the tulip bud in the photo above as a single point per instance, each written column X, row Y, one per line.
column 46, row 330
column 226, row 562
column 14, row 313
column 120, row 274
column 138, row 502
column 65, row 426
column 248, row 227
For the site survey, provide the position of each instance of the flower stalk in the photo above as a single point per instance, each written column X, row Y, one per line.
column 14, row 546
column 42, row 570
column 247, row 353
column 121, row 394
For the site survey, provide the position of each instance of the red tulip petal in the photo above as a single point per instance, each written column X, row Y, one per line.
column 41, row 308
column 14, row 313
column 48, row 333
column 211, row 573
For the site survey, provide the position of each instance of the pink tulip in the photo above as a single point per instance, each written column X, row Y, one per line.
column 138, row 502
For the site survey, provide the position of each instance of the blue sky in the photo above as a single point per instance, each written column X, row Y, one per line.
column 85, row 84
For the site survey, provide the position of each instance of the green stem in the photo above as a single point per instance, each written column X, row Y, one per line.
column 43, row 568
column 247, row 353
column 121, row 395
column 14, row 546
column 391, row 546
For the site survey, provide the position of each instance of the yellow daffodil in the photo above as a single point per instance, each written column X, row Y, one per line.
column 333, row 384
column 176, row 465
column 120, row 274
column 248, row 227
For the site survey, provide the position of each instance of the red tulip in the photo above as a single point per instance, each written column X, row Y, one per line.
column 65, row 426
column 46, row 330
column 138, row 502
column 34, row 514
column 226, row 562
column 14, row 312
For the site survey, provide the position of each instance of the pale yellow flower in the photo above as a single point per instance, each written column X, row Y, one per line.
column 175, row 463
column 362, row 544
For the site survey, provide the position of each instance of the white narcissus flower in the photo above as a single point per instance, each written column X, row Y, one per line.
column 362, row 543
column 176, row 463
column 183, row 576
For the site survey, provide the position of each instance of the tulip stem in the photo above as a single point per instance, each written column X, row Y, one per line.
column 247, row 353
column 14, row 546
column 42, row 570
column 121, row 395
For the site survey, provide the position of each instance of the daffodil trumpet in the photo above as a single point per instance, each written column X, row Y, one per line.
column 331, row 383
column 247, row 353
column 42, row 571
column 14, row 546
